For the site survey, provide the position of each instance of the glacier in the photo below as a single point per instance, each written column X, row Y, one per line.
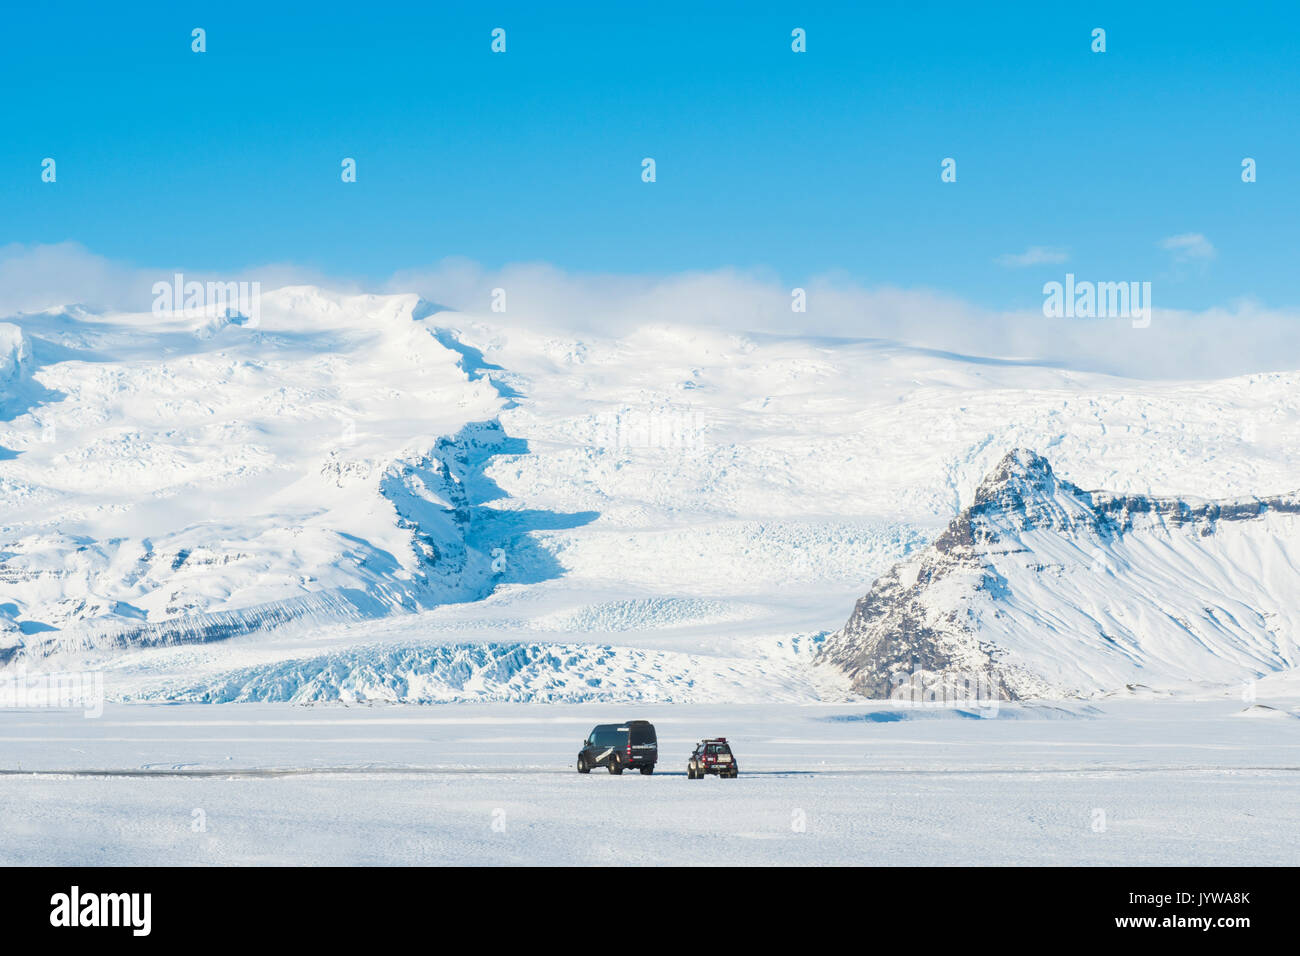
column 226, row 510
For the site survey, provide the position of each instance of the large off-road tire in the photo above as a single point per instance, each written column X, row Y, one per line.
column 615, row 767
column 582, row 764
column 646, row 771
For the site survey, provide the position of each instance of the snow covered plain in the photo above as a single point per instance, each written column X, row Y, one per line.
column 1108, row 782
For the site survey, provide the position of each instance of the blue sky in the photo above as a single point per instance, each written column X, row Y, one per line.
column 808, row 164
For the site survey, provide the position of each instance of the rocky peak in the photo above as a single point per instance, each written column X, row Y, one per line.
column 1021, row 471
column 1023, row 492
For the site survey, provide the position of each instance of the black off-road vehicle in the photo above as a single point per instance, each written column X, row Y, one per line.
column 618, row 747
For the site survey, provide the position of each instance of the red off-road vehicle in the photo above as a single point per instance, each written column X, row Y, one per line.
column 712, row 756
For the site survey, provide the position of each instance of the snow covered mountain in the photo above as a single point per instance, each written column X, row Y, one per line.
column 173, row 479
column 1043, row 589
column 361, row 496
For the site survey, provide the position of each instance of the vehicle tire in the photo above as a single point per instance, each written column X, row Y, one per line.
column 582, row 764
column 691, row 773
column 646, row 771
column 614, row 766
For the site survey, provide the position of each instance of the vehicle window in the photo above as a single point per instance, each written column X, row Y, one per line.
column 643, row 734
column 719, row 749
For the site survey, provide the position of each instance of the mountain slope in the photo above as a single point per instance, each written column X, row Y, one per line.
column 1042, row 589
column 214, row 506
column 185, row 480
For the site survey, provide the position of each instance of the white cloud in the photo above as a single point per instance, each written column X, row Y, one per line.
column 1189, row 245
column 34, row 278
column 1033, row 256
column 1217, row 342
column 1226, row 340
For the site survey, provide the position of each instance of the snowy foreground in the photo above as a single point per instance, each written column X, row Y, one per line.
column 1133, row 782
